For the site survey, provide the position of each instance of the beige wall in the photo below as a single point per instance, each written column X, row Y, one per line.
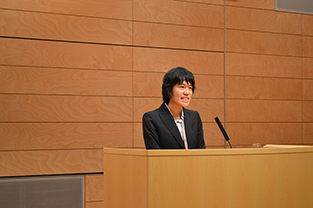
column 76, row 76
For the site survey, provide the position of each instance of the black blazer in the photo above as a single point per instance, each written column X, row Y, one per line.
column 160, row 130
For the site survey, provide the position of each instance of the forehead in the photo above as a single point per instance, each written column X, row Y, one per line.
column 184, row 82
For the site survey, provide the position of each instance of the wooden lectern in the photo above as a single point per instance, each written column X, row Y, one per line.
column 273, row 176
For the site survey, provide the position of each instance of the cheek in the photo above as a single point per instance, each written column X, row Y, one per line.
column 175, row 93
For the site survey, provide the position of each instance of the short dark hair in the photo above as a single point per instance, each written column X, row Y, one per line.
column 174, row 76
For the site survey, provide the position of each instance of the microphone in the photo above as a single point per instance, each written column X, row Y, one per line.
column 223, row 131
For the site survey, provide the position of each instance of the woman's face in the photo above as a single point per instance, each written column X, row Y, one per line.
column 182, row 94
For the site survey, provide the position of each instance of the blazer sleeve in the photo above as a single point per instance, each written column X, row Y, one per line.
column 150, row 134
column 200, row 139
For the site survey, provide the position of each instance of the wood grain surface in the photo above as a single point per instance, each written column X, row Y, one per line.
column 94, row 187
column 179, row 12
column 220, row 2
column 64, row 81
column 264, row 133
column 45, row 136
column 307, row 48
column 307, row 69
column 23, row 163
column 263, row 65
column 161, row 60
column 263, row 43
column 278, row 175
column 307, row 132
column 264, row 88
column 307, row 90
column 98, row 8
column 308, row 111
column 173, row 36
column 64, row 27
column 64, row 108
column 263, row 111
column 307, row 25
column 263, row 20
column 264, row 4
column 19, row 52
column 98, row 204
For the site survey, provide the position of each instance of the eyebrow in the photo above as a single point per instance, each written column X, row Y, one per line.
column 189, row 84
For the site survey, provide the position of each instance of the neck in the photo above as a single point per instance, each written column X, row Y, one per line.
column 176, row 110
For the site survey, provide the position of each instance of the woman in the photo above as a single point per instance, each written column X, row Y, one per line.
column 172, row 126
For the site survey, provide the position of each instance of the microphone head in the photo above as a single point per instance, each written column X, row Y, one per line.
column 221, row 128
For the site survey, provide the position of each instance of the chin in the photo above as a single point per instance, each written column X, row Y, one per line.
column 185, row 105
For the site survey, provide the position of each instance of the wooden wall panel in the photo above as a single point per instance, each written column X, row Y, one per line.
column 221, row 2
column 263, row 20
column 265, row 4
column 161, row 60
column 31, row 108
column 21, row 52
column 209, row 86
column 148, row 84
column 307, row 25
column 308, row 111
column 263, row 111
column 121, row 9
column 64, row 27
column 179, row 12
column 263, row 88
column 263, row 43
column 263, row 65
column 22, row 163
column 45, row 136
column 308, row 90
column 212, row 135
column 307, row 67
column 64, row 81
column 307, row 133
column 138, row 141
column 307, row 46
column 264, row 133
column 173, row 36
column 99, row 204
column 94, row 187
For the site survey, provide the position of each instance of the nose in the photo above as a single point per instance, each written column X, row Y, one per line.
column 187, row 91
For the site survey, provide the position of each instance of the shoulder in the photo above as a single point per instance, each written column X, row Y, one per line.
column 154, row 113
column 191, row 112
column 150, row 114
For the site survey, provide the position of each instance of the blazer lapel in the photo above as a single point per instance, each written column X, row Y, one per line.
column 170, row 124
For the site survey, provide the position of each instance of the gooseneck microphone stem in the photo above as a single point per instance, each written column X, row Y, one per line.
column 223, row 130
column 229, row 144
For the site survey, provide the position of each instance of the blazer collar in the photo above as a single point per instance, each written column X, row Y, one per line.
column 170, row 124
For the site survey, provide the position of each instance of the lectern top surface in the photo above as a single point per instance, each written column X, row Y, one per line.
column 267, row 149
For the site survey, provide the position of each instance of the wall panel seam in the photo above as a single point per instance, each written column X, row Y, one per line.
column 64, row 14
column 110, row 44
